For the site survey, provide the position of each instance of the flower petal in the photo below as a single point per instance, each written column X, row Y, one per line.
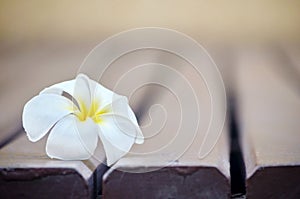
column 71, row 139
column 42, row 112
column 104, row 95
column 82, row 91
column 121, row 107
column 78, row 89
column 59, row 88
column 97, row 90
column 117, row 134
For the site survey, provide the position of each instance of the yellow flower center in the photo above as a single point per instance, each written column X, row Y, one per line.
column 94, row 111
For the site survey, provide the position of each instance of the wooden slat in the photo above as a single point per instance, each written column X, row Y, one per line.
column 186, row 176
column 269, row 113
column 27, row 172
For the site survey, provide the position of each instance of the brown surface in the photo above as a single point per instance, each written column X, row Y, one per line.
column 268, row 117
column 275, row 182
column 27, row 172
column 43, row 183
column 269, row 112
column 171, row 182
column 180, row 177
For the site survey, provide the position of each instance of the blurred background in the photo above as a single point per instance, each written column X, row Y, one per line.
column 68, row 20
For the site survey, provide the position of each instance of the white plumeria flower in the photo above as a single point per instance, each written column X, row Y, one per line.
column 75, row 113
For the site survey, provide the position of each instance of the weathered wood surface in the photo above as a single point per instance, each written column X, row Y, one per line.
column 163, row 174
column 189, row 177
column 269, row 120
column 268, row 107
column 27, row 172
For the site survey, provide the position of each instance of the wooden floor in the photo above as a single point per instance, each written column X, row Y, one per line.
column 257, row 155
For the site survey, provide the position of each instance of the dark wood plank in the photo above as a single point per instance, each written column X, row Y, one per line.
column 27, row 172
column 161, row 174
column 269, row 112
